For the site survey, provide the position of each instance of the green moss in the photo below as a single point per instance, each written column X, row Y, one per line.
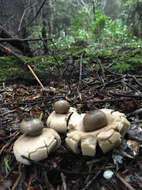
column 124, row 59
column 10, row 68
column 129, row 60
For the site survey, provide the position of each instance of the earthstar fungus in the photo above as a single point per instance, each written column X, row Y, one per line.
column 105, row 127
column 57, row 120
column 35, row 147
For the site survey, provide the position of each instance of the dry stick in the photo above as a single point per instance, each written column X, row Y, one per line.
column 35, row 76
column 5, row 34
column 22, row 40
column 80, row 73
column 126, row 95
column 29, row 7
column 21, row 20
column 112, row 82
column 22, row 61
column 124, row 182
column 138, row 82
column 48, row 184
column 102, row 69
column 80, row 77
column 92, row 180
column 63, row 181
column 55, row 58
column 17, row 180
column 131, row 87
column 36, row 15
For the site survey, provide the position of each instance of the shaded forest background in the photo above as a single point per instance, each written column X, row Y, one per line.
column 57, row 16
column 60, row 31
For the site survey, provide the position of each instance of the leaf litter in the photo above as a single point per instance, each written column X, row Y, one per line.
column 63, row 170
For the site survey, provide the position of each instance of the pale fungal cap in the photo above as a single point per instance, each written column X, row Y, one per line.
column 61, row 107
column 58, row 121
column 36, row 148
column 32, row 127
column 108, row 137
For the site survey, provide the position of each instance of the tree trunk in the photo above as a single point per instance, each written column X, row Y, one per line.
column 10, row 17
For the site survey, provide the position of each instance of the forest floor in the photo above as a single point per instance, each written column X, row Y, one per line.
column 64, row 170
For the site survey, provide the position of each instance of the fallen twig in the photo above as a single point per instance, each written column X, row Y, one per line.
column 91, row 181
column 22, row 63
column 126, row 95
column 17, row 180
column 22, row 40
column 63, row 181
column 124, row 182
column 80, row 73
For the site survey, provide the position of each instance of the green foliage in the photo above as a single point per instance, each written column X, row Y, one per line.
column 121, row 67
column 128, row 60
column 63, row 42
column 102, row 35
column 82, row 24
column 99, row 29
column 35, row 31
column 99, row 23
column 7, row 71
column 116, row 32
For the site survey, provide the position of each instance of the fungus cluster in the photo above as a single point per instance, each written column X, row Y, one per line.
column 104, row 127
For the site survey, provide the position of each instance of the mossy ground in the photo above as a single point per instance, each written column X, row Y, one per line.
column 122, row 60
column 10, row 68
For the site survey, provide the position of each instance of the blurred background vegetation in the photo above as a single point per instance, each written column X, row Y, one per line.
column 111, row 29
column 100, row 23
